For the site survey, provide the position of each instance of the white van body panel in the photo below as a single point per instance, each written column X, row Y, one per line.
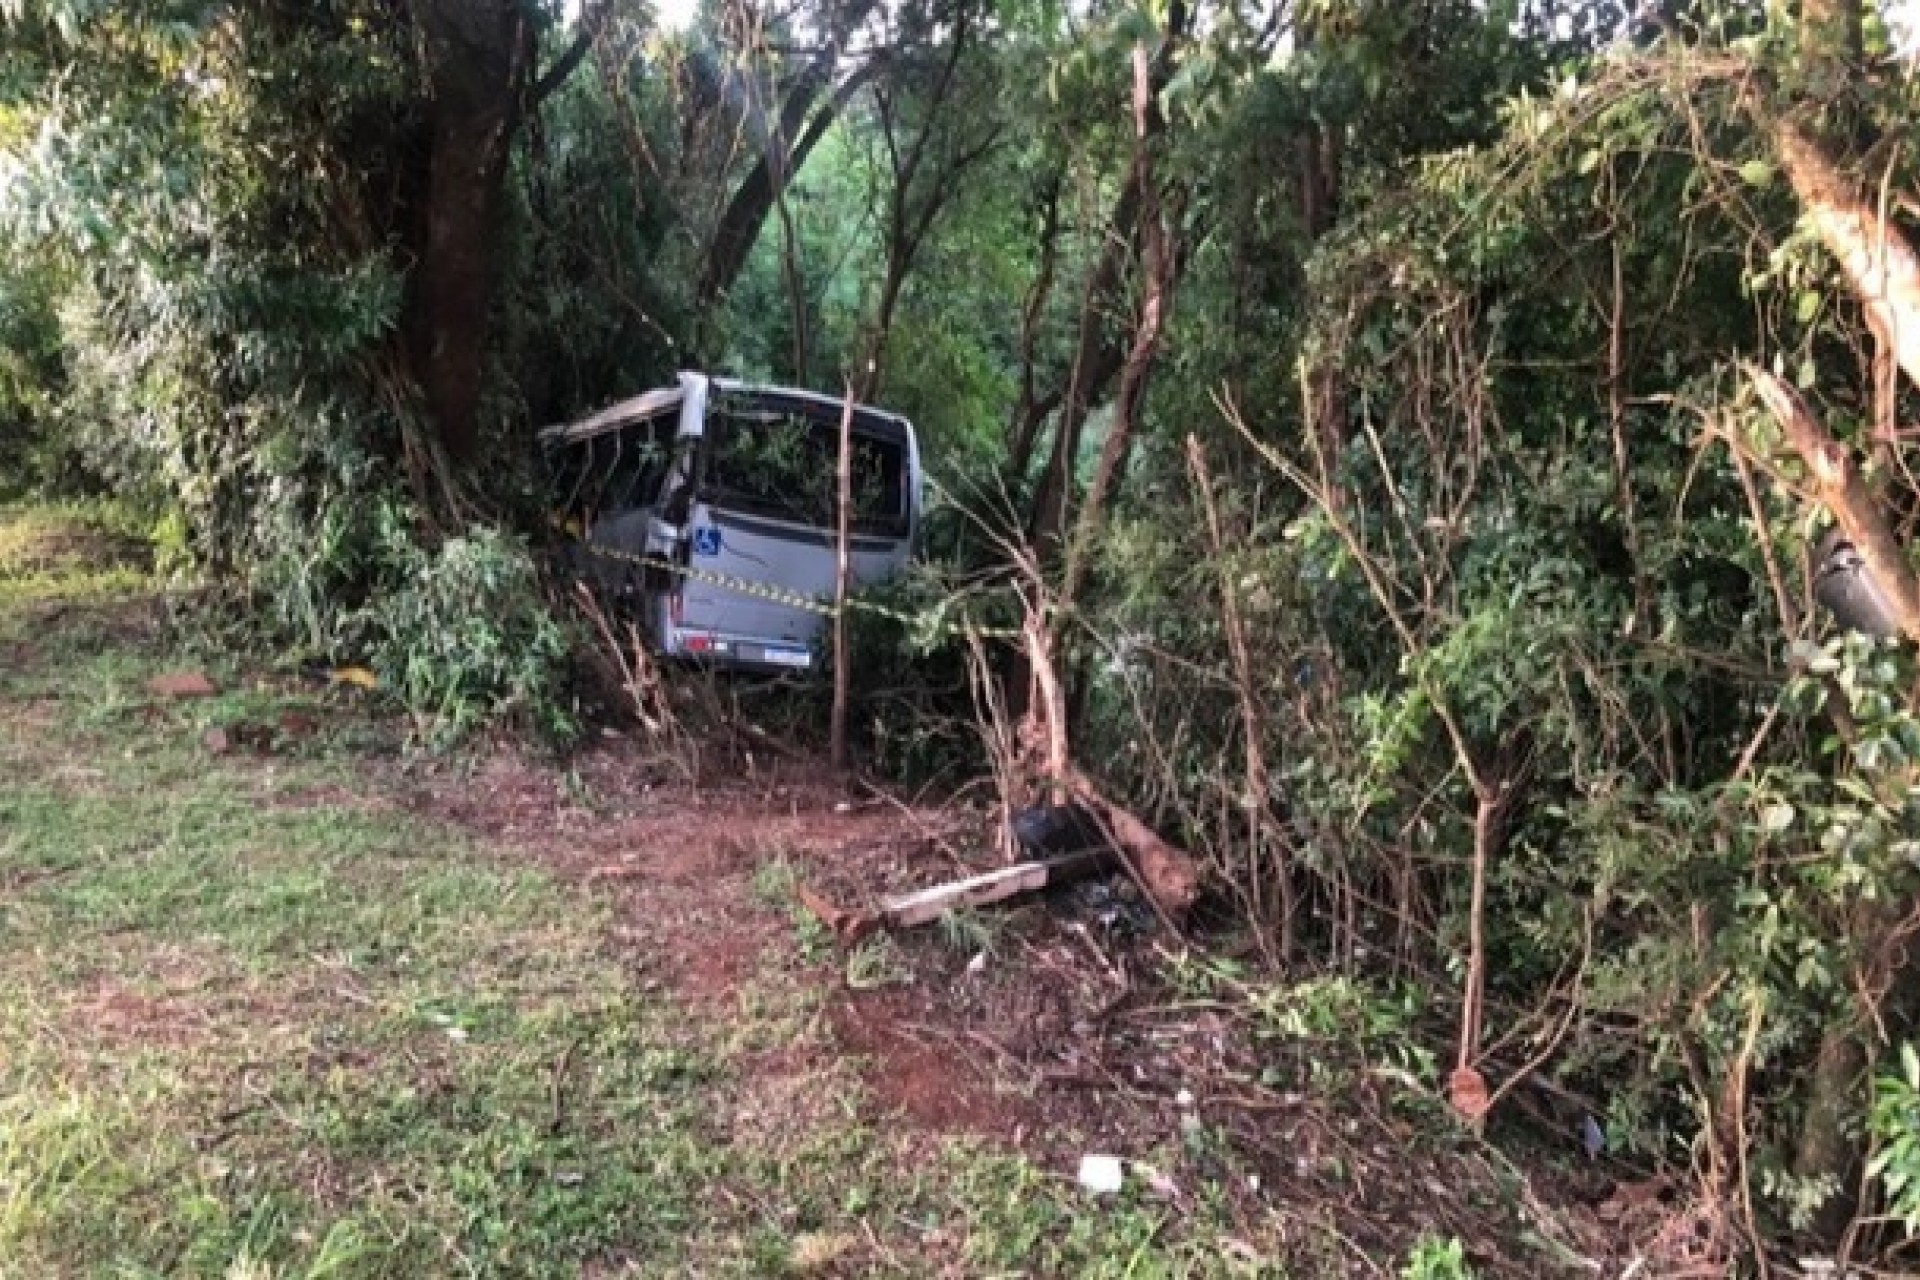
column 752, row 585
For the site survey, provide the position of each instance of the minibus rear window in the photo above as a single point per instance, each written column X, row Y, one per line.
column 776, row 462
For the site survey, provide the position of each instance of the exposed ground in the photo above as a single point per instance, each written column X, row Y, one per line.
column 282, row 997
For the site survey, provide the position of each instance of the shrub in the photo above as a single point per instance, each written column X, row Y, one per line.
column 467, row 637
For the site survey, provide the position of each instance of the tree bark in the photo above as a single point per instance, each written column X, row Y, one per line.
column 1878, row 260
column 479, row 54
column 1825, row 1148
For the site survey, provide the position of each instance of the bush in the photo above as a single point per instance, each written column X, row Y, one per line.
column 467, row 637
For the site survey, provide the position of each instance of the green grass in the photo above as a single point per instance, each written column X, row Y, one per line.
column 244, row 1035
column 319, row 1041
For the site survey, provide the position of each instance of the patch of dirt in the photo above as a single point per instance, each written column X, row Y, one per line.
column 917, row 1072
column 178, row 996
column 681, row 864
column 1053, row 1031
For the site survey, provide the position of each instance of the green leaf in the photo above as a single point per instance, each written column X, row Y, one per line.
column 1757, row 173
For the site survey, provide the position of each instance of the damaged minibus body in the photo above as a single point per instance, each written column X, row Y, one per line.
column 709, row 510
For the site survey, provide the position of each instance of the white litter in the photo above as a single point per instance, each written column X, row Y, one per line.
column 1102, row 1175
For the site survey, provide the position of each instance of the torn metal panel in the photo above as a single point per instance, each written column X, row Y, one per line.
column 641, row 408
column 1843, row 583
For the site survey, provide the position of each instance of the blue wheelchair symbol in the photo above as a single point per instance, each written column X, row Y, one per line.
column 706, row 540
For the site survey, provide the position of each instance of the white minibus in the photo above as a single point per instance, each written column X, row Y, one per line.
column 710, row 508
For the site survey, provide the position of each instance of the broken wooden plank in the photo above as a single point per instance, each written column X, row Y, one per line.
column 926, row 905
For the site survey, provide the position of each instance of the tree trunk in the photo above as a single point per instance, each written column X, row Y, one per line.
column 1097, row 358
column 1156, row 300
column 1029, row 411
column 479, row 53
column 1826, row 1149
column 780, row 160
column 1098, row 354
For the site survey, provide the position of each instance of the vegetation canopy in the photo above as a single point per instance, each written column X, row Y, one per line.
column 1419, row 443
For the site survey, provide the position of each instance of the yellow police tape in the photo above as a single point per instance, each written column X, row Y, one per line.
column 931, row 619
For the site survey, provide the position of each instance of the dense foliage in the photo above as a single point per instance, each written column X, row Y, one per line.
column 1385, row 399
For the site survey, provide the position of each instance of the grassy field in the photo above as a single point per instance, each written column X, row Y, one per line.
column 257, row 1020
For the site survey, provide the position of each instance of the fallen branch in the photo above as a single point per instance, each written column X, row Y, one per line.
column 1165, row 874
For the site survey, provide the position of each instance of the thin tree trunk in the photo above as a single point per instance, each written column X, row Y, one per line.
column 1622, row 460
column 780, row 161
column 1027, row 411
column 1158, row 269
column 796, row 290
column 1097, row 359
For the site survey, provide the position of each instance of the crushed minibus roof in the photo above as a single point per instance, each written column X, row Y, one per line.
column 664, row 400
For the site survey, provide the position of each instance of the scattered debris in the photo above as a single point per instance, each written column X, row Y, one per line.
column 1115, row 904
column 993, row 886
column 1102, row 1175
column 182, row 684
column 1168, row 875
column 846, row 926
column 1044, row 829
